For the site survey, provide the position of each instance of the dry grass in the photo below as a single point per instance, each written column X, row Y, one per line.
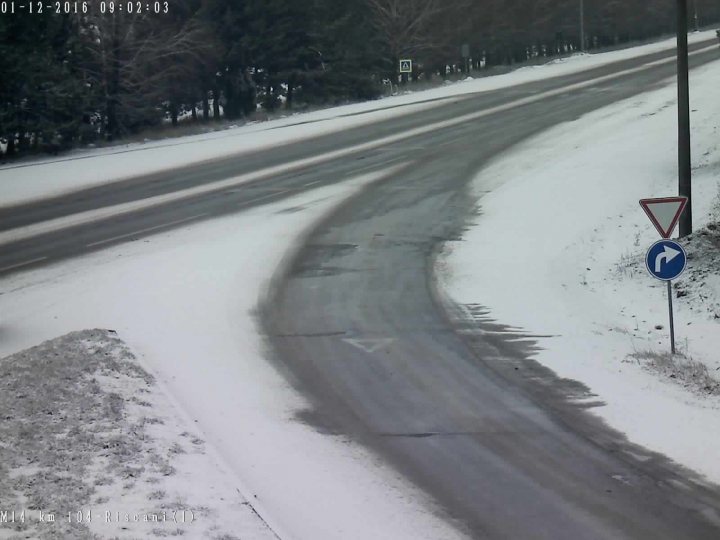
column 628, row 264
column 84, row 427
column 682, row 369
column 715, row 210
column 64, row 435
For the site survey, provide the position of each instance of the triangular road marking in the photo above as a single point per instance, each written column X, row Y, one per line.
column 370, row 345
column 664, row 213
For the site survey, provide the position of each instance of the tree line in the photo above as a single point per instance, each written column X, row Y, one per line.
column 101, row 70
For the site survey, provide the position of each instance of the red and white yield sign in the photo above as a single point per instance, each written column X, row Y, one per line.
column 664, row 213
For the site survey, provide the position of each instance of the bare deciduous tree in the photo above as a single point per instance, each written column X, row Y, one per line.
column 135, row 61
column 404, row 26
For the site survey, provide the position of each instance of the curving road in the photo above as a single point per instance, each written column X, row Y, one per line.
column 357, row 321
column 357, row 324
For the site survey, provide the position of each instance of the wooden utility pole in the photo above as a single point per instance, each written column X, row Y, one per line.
column 582, row 25
column 684, row 156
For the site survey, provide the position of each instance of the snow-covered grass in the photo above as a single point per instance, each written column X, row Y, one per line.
column 687, row 371
column 183, row 301
column 89, row 439
column 558, row 250
column 81, row 169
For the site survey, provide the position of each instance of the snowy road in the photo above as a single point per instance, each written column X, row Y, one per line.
column 44, row 231
column 356, row 321
column 386, row 367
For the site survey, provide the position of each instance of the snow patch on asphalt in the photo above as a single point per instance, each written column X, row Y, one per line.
column 184, row 302
column 558, row 250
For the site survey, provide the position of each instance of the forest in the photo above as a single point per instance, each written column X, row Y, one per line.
column 78, row 73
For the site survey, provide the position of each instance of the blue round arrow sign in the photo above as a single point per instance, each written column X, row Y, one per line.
column 666, row 260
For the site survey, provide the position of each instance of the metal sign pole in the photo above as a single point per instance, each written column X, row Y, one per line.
column 666, row 259
column 672, row 322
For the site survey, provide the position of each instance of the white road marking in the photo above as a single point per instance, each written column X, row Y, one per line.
column 245, row 203
column 456, row 139
column 414, row 148
column 312, row 183
column 54, row 225
column 145, row 230
column 370, row 345
column 378, row 164
column 22, row 264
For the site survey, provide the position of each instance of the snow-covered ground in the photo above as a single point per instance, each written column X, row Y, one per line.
column 88, row 438
column 49, row 177
column 183, row 302
column 558, row 250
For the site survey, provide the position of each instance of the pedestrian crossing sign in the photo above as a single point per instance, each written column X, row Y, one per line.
column 405, row 66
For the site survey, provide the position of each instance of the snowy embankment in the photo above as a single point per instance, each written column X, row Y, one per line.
column 183, row 302
column 29, row 181
column 90, row 444
column 558, row 250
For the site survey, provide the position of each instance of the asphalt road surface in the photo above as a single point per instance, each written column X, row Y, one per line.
column 357, row 324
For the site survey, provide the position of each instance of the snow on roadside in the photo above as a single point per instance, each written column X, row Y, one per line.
column 561, row 240
column 703, row 283
column 183, row 302
column 25, row 182
column 91, row 446
column 81, row 169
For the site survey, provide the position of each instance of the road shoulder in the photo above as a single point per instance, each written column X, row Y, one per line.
column 557, row 251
